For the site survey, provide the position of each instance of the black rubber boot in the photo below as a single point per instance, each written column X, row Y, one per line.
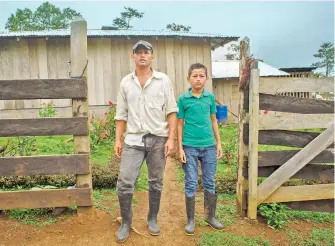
column 126, row 214
column 210, row 208
column 154, row 202
column 190, row 209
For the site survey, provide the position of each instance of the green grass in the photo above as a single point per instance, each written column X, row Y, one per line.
column 38, row 217
column 227, row 239
column 318, row 217
column 142, row 180
column 105, row 195
column 318, row 237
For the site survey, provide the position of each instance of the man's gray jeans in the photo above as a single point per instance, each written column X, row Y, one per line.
column 132, row 160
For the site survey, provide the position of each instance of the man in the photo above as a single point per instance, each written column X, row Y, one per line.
column 147, row 108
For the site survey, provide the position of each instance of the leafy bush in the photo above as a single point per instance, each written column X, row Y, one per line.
column 274, row 213
column 47, row 110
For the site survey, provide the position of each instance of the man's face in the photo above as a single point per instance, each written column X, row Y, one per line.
column 143, row 57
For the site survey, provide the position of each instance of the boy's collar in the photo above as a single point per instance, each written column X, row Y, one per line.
column 204, row 93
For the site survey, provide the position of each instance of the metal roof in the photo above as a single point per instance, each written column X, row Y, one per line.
column 298, row 69
column 230, row 69
column 114, row 33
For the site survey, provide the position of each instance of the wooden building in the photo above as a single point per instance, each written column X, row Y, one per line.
column 46, row 54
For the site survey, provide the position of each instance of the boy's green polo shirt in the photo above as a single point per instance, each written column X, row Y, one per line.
column 198, row 131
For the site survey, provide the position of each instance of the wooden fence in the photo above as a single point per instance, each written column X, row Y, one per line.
column 74, row 88
column 310, row 160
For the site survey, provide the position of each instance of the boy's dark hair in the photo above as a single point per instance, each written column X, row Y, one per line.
column 197, row 66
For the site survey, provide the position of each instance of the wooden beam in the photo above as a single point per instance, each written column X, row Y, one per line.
column 295, row 104
column 284, row 138
column 326, row 205
column 80, row 106
column 43, row 127
column 278, row 158
column 297, row 162
column 302, row 193
column 297, row 84
column 309, row 172
column 253, row 141
column 43, row 89
column 291, row 121
column 45, row 198
column 44, row 165
column 242, row 184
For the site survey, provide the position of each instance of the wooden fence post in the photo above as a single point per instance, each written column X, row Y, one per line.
column 253, row 140
column 80, row 106
column 242, row 184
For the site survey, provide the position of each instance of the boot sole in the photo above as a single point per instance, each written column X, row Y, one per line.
column 189, row 234
column 154, row 234
column 214, row 227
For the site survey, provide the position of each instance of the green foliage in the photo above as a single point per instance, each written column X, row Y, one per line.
column 229, row 138
column 319, row 237
column 126, row 17
column 318, row 217
column 178, row 28
column 39, row 217
column 22, row 146
column 103, row 130
column 46, row 17
column 274, row 213
column 227, row 239
column 326, row 56
column 47, row 110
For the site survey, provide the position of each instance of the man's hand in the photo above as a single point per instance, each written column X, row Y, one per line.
column 181, row 155
column 219, row 152
column 118, row 148
column 169, row 147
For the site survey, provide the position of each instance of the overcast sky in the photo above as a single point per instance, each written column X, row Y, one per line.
column 282, row 33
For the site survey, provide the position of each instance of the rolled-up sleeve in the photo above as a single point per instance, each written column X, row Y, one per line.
column 121, row 105
column 170, row 101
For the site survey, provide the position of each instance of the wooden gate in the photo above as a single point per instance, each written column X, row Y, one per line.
column 78, row 163
column 312, row 160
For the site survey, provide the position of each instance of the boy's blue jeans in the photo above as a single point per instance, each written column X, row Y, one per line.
column 207, row 158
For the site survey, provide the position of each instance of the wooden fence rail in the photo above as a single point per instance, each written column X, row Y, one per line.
column 288, row 125
column 77, row 125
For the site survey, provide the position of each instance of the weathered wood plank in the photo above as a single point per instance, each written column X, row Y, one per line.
column 301, row 193
column 295, row 104
column 291, row 121
column 44, row 165
column 253, row 143
column 45, row 198
column 326, row 205
column 42, row 89
column 242, row 183
column 80, row 106
column 310, row 172
column 278, row 158
column 293, row 165
column 284, row 137
column 296, row 84
column 44, row 127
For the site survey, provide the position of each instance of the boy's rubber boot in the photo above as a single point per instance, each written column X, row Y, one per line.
column 210, row 208
column 126, row 214
column 190, row 209
column 154, row 202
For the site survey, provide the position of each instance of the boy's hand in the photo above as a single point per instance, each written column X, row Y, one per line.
column 181, row 155
column 118, row 148
column 169, row 147
column 219, row 152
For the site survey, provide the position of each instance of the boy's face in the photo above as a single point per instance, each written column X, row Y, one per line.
column 142, row 57
column 197, row 79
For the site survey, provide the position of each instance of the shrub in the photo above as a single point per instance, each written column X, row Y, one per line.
column 275, row 214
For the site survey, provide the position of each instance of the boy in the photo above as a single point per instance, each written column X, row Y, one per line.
column 197, row 128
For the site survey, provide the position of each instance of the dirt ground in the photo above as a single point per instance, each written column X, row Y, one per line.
column 73, row 230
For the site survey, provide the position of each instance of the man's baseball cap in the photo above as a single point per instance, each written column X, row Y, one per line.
column 142, row 44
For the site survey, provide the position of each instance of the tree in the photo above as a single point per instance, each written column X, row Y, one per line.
column 235, row 52
column 46, row 17
column 21, row 21
column 178, row 28
column 126, row 17
column 326, row 54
